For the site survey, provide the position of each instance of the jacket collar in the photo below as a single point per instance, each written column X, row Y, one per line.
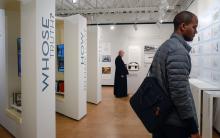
column 181, row 39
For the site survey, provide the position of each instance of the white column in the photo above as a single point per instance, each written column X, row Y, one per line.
column 94, row 70
column 38, row 68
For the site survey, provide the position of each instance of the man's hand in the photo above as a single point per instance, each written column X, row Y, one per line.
column 195, row 135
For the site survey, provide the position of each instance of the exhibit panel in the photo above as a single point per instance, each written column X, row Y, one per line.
column 38, row 70
column 205, row 48
column 94, row 68
column 73, row 104
column 10, row 114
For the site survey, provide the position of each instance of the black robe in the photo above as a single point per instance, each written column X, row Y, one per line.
column 120, row 83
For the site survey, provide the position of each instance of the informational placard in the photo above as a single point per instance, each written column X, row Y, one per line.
column 83, row 56
column 149, row 52
column 47, row 49
column 134, row 58
column 106, row 60
column 205, row 47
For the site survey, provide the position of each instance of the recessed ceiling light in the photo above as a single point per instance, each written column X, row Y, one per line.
column 112, row 27
column 74, row 1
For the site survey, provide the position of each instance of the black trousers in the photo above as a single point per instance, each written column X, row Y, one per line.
column 120, row 86
column 168, row 131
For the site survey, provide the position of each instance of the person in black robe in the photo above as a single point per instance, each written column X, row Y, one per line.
column 121, row 72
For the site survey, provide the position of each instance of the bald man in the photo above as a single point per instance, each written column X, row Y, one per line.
column 171, row 67
column 121, row 72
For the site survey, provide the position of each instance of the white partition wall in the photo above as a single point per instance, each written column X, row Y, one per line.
column 3, row 90
column 73, row 104
column 38, row 70
column 94, row 71
column 5, row 119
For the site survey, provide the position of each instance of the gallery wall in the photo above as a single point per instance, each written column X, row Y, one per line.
column 206, row 44
column 125, row 37
column 205, row 53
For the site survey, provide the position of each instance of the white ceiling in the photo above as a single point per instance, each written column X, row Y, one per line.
column 122, row 11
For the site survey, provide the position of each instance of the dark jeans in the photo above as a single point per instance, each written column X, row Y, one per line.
column 168, row 131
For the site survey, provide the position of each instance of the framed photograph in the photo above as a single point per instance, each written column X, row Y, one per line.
column 19, row 55
column 17, row 98
column 149, row 49
column 133, row 66
column 60, row 57
column 106, row 70
column 106, row 58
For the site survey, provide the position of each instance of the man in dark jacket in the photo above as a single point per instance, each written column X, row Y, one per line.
column 121, row 72
column 171, row 66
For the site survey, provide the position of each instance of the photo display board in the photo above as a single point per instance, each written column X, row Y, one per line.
column 205, row 51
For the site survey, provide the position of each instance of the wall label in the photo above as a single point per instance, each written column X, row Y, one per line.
column 47, row 48
column 82, row 46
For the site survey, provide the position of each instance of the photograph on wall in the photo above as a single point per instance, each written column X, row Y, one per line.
column 134, row 58
column 60, row 57
column 16, row 98
column 106, row 58
column 19, row 55
column 106, row 73
column 106, row 70
column 150, row 49
column 133, row 66
column 149, row 52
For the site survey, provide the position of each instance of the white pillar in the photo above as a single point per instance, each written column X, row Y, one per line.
column 94, row 70
column 38, row 68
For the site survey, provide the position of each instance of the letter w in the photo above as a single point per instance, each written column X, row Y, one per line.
column 44, row 81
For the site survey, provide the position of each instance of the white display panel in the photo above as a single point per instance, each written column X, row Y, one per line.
column 38, row 70
column 205, row 47
column 74, row 102
column 94, row 66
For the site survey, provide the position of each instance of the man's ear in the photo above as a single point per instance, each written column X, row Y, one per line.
column 182, row 26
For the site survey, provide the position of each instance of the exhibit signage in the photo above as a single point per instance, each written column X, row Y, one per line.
column 83, row 40
column 47, row 47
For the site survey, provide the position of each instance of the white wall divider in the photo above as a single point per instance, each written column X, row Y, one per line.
column 74, row 104
column 3, row 90
column 198, row 87
column 38, row 70
column 207, row 116
column 94, row 71
column 12, row 126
